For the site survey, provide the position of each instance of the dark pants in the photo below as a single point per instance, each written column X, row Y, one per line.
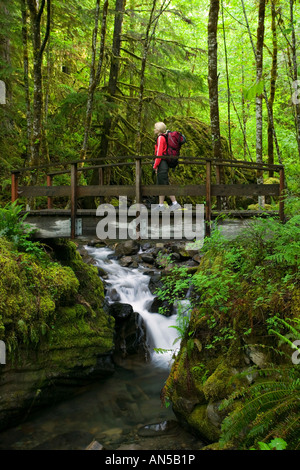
column 162, row 173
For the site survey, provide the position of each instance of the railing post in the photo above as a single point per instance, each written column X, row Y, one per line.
column 49, row 198
column 281, row 194
column 14, row 186
column 208, row 198
column 73, row 199
column 138, row 180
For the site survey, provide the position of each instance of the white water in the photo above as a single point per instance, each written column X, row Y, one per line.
column 132, row 286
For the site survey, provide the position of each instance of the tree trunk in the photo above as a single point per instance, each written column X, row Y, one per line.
column 94, row 73
column 272, row 86
column 38, row 49
column 26, row 75
column 111, row 90
column 213, row 88
column 114, row 72
column 259, row 98
column 228, row 84
column 213, row 77
column 7, row 122
column 259, row 71
column 295, row 73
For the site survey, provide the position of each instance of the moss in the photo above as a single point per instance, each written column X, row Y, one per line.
column 218, row 385
column 295, row 304
column 52, row 306
column 257, row 207
column 200, row 423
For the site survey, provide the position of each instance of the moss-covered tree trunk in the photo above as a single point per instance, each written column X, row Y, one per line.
column 213, row 77
column 114, row 73
column 295, row 72
column 259, row 97
column 95, row 71
column 36, row 13
column 26, row 74
column 272, row 85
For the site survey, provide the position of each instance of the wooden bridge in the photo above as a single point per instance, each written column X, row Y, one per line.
column 210, row 189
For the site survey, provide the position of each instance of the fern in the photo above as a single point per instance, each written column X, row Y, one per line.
column 269, row 409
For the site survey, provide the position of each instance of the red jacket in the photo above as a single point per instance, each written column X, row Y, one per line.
column 160, row 149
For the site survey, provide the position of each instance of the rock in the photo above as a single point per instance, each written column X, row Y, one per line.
column 120, row 311
column 197, row 258
column 148, row 258
column 130, row 447
column 126, row 261
column 94, row 445
column 175, row 257
column 257, row 356
column 130, row 333
column 155, row 282
column 78, row 345
column 96, row 243
column 146, row 246
column 130, row 247
column 214, row 415
column 166, row 308
column 114, row 295
column 159, row 429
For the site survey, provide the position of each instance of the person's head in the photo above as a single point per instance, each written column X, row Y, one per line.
column 160, row 128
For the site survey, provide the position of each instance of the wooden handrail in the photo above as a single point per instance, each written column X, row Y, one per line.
column 182, row 160
column 137, row 190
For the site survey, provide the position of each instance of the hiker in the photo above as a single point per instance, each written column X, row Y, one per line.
column 161, row 167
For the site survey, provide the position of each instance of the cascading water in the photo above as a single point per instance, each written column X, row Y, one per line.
column 132, row 286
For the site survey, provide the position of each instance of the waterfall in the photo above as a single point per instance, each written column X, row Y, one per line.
column 132, row 286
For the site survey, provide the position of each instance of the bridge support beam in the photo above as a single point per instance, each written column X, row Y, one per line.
column 14, row 186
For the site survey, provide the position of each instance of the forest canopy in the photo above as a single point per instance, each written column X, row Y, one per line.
column 89, row 79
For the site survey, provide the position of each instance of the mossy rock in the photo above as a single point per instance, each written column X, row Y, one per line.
column 56, row 333
column 201, row 425
column 257, row 207
column 219, row 384
column 43, row 303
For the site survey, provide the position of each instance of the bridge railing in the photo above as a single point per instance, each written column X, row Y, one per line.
column 211, row 187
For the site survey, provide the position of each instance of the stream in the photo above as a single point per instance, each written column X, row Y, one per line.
column 124, row 411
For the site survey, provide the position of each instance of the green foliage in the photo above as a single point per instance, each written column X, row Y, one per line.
column 173, row 291
column 274, row 444
column 270, row 408
column 13, row 227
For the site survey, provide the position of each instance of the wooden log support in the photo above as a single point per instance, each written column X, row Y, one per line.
column 73, row 199
column 14, row 186
column 208, row 199
column 281, row 194
column 49, row 198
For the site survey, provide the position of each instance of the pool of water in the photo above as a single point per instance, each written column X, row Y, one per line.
column 123, row 412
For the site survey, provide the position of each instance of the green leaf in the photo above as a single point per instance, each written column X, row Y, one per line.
column 254, row 90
